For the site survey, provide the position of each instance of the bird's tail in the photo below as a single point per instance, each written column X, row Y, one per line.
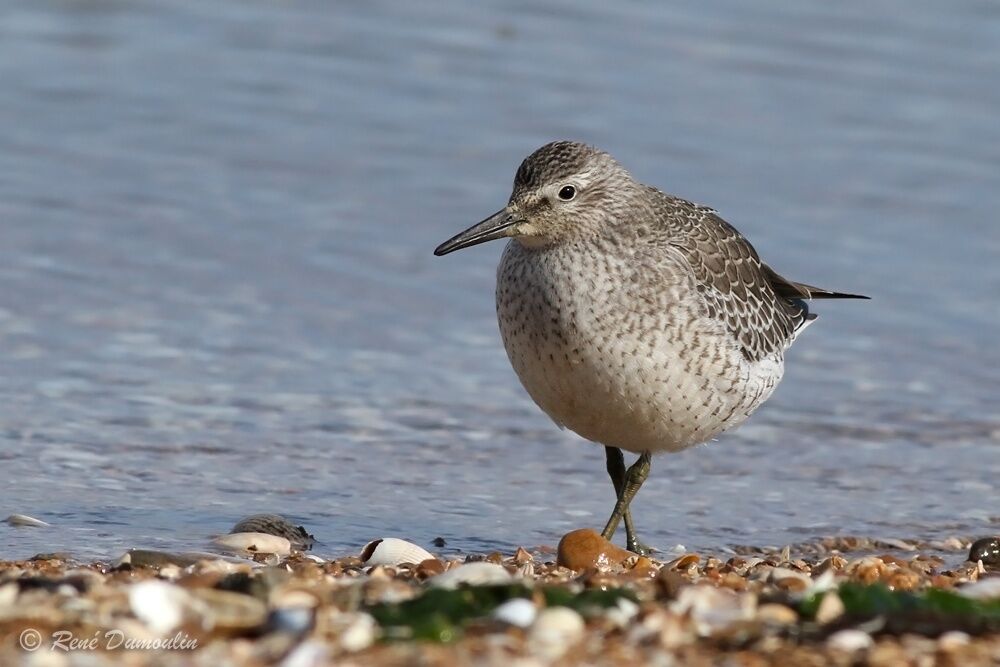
column 792, row 290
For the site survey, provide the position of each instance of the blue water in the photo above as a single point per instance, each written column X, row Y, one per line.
column 217, row 293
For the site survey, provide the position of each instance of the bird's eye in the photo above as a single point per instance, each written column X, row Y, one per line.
column 567, row 192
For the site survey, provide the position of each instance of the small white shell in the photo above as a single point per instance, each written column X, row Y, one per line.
column 475, row 574
column 849, row 640
column 254, row 543
column 25, row 520
column 984, row 589
column 519, row 612
column 392, row 551
column 555, row 630
column 359, row 632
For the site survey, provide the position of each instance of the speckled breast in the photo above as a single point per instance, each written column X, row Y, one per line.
column 619, row 349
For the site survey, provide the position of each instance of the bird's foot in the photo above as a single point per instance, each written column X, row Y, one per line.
column 635, row 546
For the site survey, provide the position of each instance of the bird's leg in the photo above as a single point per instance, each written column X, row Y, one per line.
column 616, row 471
column 627, row 484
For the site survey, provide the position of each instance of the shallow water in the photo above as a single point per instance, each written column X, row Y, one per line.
column 218, row 294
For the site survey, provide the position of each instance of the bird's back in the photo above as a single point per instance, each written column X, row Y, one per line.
column 762, row 311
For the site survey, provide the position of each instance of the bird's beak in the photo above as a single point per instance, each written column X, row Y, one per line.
column 497, row 226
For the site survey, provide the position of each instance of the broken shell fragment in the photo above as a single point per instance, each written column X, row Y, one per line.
column 25, row 521
column 254, row 543
column 275, row 524
column 392, row 551
column 480, row 573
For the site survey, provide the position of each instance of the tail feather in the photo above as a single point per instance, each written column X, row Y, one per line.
column 789, row 289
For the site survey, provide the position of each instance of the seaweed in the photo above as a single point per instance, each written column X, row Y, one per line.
column 930, row 612
column 441, row 615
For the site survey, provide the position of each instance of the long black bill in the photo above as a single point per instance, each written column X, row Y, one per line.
column 497, row 226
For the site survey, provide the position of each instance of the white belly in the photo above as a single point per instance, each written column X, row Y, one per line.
column 643, row 373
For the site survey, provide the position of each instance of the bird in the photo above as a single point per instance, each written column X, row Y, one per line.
column 639, row 320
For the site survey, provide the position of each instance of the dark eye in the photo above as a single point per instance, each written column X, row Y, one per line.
column 567, row 192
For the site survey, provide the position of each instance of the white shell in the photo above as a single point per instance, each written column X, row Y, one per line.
column 850, row 640
column 712, row 608
column 519, row 612
column 359, row 632
column 555, row 630
column 159, row 605
column 984, row 589
column 392, row 551
column 476, row 574
column 25, row 520
column 254, row 543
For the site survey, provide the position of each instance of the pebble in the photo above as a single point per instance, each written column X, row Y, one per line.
column 987, row 550
column 519, row 612
column 359, row 632
column 154, row 559
column 777, row 614
column 952, row 640
column 713, row 609
column 831, row 607
column 159, row 605
column 254, row 543
column 555, row 630
column 310, row 653
column 25, row 521
column 275, row 524
column 473, row 574
column 585, row 548
column 622, row 613
column 984, row 589
column 850, row 640
column 392, row 551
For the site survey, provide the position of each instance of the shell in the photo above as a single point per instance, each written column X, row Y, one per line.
column 519, row 612
column 475, row 574
column 850, row 640
column 254, row 543
column 359, row 632
column 275, row 524
column 987, row 589
column 554, row 631
column 25, row 521
column 712, row 608
column 392, row 551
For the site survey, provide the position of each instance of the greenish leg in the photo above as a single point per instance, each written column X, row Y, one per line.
column 627, row 484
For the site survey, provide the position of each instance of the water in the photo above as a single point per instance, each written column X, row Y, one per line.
column 218, row 294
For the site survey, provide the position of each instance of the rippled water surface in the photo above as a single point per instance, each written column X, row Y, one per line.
column 218, row 294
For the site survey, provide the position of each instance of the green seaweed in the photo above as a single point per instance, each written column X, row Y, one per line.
column 441, row 615
column 928, row 612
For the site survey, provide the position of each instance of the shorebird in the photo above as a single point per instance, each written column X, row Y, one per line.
column 637, row 319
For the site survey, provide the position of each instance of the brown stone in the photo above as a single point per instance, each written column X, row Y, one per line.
column 669, row 582
column 583, row 548
column 644, row 568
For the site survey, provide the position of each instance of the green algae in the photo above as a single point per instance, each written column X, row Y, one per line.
column 441, row 615
column 929, row 612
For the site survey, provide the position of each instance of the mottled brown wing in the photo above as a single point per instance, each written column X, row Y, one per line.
column 738, row 288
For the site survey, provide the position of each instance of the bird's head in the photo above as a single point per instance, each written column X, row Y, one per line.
column 564, row 191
